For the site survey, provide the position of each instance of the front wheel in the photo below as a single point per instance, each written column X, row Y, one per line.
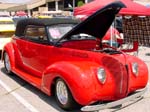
column 63, row 96
column 7, row 63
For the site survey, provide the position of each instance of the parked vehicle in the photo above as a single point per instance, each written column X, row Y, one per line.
column 7, row 29
column 67, row 58
column 16, row 19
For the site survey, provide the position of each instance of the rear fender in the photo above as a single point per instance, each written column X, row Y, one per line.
column 10, row 50
column 78, row 77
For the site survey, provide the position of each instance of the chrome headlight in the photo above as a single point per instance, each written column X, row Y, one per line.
column 101, row 75
column 135, row 69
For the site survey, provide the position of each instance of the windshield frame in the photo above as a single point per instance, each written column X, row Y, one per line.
column 59, row 28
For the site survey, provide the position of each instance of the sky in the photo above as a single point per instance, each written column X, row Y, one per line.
column 14, row 1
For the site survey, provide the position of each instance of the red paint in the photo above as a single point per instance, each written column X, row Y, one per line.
column 76, row 63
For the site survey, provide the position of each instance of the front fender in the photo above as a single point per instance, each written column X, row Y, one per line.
column 78, row 77
column 10, row 50
column 141, row 80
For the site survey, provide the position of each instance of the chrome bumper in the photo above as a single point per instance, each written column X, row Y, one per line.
column 134, row 97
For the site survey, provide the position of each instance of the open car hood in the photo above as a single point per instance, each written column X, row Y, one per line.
column 98, row 23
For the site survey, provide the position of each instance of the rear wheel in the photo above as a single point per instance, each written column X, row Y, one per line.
column 7, row 63
column 63, row 96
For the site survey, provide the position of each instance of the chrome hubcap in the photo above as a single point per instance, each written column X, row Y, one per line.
column 7, row 62
column 61, row 92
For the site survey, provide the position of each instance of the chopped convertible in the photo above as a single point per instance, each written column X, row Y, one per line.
column 66, row 57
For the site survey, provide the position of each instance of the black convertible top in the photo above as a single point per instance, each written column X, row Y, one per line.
column 22, row 24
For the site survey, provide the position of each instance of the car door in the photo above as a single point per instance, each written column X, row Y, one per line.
column 36, row 56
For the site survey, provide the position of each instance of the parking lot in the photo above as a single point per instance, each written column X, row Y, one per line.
column 16, row 95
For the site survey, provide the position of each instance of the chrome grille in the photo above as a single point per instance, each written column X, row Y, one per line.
column 119, row 73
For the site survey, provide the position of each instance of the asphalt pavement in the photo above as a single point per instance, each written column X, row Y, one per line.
column 16, row 95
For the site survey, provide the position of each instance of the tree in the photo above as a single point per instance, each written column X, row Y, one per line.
column 80, row 3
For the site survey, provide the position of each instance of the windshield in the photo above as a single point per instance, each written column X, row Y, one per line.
column 58, row 31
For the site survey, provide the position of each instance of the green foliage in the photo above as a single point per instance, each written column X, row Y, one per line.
column 80, row 3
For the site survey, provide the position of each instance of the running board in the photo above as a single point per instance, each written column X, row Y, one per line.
column 35, row 81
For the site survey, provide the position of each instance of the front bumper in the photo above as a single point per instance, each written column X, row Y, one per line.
column 135, row 96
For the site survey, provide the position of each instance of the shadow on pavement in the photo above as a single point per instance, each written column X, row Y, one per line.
column 48, row 99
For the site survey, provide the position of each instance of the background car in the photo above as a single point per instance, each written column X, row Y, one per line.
column 66, row 58
column 7, row 29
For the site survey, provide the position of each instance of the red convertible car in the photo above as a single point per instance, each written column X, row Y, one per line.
column 66, row 57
